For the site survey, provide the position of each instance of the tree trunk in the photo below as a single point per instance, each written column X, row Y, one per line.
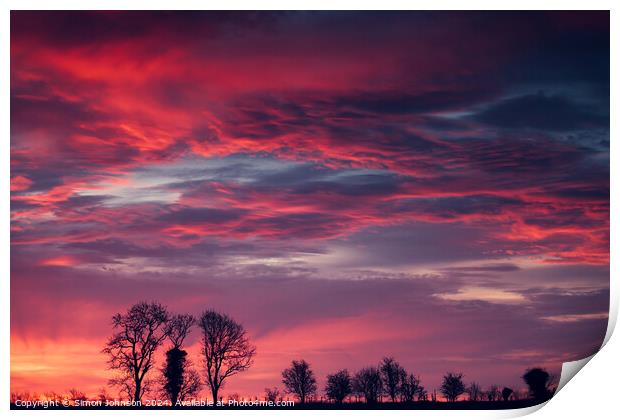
column 136, row 396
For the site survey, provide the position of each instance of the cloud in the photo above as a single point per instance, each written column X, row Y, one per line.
column 506, row 267
column 61, row 261
column 577, row 317
column 20, row 183
column 206, row 215
column 543, row 112
column 492, row 295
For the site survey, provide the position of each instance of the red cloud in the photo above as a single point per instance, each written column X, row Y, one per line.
column 60, row 261
column 20, row 183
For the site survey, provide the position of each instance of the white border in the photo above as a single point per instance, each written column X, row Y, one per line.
column 593, row 395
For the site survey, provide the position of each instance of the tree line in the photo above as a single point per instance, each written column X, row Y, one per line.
column 225, row 351
column 389, row 379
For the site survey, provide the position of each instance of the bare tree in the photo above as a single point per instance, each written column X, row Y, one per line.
column 103, row 395
column 391, row 374
column 192, row 384
column 131, row 349
column 23, row 396
column 272, row 394
column 493, row 393
column 338, row 386
column 51, row 395
column 367, row 382
column 409, row 386
column 75, row 395
column 234, row 397
column 225, row 348
column 422, row 394
column 124, row 383
column 178, row 329
column 539, row 382
column 176, row 369
column 299, row 380
column 452, row 386
column 474, row 392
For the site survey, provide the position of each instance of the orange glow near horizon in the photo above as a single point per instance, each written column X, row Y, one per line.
column 57, row 366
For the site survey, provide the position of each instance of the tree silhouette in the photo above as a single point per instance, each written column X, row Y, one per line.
column 103, row 395
column 338, row 386
column 192, row 384
column 474, row 391
column 409, row 386
column 538, row 381
column 367, row 382
column 422, row 394
column 131, row 349
column 178, row 379
column 506, row 393
column 225, row 348
column 299, row 380
column 272, row 394
column 75, row 395
column 391, row 374
column 452, row 386
column 493, row 393
column 178, row 329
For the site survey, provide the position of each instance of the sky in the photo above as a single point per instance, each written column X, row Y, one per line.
column 432, row 186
